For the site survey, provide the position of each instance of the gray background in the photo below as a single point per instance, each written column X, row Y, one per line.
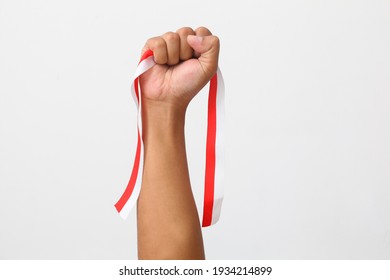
column 308, row 126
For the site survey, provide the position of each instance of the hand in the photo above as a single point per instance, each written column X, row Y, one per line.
column 186, row 61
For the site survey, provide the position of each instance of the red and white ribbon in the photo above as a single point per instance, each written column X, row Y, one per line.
column 214, row 173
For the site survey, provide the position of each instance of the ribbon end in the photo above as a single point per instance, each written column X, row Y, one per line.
column 123, row 215
column 122, row 212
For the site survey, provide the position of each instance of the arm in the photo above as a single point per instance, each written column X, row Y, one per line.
column 168, row 222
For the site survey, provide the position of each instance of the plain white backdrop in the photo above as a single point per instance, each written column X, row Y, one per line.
column 308, row 126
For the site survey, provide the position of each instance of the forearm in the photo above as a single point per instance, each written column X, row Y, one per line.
column 168, row 223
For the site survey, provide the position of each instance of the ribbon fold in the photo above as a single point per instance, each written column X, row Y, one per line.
column 214, row 171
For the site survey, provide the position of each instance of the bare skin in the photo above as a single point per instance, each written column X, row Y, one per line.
column 167, row 218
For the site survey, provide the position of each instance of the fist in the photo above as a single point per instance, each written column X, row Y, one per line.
column 185, row 61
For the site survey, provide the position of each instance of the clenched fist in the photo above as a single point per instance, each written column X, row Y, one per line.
column 186, row 60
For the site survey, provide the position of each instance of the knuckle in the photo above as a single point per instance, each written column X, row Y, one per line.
column 155, row 43
column 159, row 43
column 171, row 36
column 185, row 31
column 201, row 30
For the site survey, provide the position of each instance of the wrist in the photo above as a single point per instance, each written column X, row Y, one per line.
column 161, row 120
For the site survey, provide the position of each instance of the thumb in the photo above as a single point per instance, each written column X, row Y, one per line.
column 208, row 48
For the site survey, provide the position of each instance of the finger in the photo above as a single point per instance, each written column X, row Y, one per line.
column 172, row 41
column 208, row 48
column 201, row 31
column 159, row 48
column 186, row 52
